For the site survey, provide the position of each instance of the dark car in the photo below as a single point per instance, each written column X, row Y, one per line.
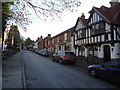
column 109, row 70
column 65, row 57
column 43, row 53
column 35, row 50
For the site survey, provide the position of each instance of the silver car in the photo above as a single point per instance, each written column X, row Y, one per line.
column 65, row 57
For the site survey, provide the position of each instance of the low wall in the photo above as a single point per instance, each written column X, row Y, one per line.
column 91, row 60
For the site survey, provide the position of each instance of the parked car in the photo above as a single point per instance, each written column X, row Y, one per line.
column 109, row 70
column 37, row 50
column 65, row 57
column 43, row 53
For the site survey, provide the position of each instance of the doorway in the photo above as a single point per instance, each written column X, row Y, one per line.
column 107, row 53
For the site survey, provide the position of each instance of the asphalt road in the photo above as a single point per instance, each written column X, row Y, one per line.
column 42, row 72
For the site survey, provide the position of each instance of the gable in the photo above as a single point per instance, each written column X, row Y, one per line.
column 94, row 18
column 79, row 25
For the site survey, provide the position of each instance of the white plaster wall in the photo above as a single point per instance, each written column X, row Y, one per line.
column 98, row 38
column 118, row 29
column 89, row 32
column 109, row 37
column 100, row 52
column 72, row 45
column 96, row 53
column 95, row 39
column 107, row 27
column 79, row 26
column 76, row 52
column 102, row 37
column 86, row 52
column 114, row 34
column 116, row 51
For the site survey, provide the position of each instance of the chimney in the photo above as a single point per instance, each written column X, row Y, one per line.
column 83, row 16
column 114, row 2
column 38, row 38
column 41, row 37
column 49, row 35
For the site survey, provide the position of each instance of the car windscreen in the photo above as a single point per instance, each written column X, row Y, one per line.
column 45, row 51
column 70, row 53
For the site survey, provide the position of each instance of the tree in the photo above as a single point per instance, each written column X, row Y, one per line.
column 17, row 37
column 6, row 14
column 22, row 10
column 18, row 40
column 28, row 41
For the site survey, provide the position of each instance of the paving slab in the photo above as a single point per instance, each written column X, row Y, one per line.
column 12, row 72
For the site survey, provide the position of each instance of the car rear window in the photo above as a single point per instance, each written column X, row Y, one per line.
column 70, row 53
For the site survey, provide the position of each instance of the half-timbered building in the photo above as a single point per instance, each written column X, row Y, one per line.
column 100, row 37
column 79, row 35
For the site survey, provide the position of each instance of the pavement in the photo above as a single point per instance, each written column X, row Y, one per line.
column 13, row 71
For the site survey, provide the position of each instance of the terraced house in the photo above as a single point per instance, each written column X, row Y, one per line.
column 98, row 37
column 61, row 41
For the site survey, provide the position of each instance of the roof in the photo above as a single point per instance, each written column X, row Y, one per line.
column 112, row 14
column 70, row 29
column 83, row 20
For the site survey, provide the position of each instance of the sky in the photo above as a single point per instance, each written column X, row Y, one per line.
column 41, row 28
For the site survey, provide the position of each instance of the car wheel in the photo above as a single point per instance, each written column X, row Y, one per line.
column 60, row 61
column 92, row 73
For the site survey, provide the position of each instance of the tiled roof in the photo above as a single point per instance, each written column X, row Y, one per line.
column 68, row 30
column 83, row 20
column 112, row 14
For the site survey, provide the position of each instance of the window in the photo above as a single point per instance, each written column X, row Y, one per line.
column 101, row 25
column 53, row 40
column 97, row 26
column 48, row 42
column 65, row 36
column 58, row 39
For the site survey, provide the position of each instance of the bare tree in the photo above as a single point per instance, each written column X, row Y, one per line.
column 23, row 9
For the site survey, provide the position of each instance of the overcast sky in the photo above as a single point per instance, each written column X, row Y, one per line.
column 39, row 27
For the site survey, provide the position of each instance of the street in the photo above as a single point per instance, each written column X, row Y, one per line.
column 42, row 72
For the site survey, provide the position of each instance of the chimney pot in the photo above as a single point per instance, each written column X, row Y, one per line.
column 49, row 35
column 83, row 16
column 114, row 2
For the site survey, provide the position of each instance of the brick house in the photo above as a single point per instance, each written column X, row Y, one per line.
column 43, row 43
column 61, row 41
column 40, row 43
column 47, row 42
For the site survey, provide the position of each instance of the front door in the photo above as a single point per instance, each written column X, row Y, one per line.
column 107, row 54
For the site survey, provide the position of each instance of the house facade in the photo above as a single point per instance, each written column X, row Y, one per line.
column 40, row 43
column 99, row 37
column 78, row 34
column 64, row 40
column 61, row 41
